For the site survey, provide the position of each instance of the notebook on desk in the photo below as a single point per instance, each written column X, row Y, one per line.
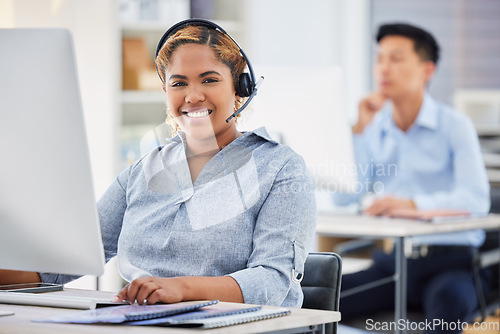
column 124, row 313
column 434, row 216
column 233, row 319
column 186, row 314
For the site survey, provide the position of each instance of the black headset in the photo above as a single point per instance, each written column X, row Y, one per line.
column 246, row 86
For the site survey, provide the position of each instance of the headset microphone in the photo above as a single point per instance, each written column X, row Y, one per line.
column 247, row 102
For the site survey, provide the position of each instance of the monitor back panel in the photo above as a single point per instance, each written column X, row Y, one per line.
column 48, row 216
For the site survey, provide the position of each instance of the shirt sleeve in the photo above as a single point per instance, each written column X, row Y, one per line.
column 111, row 209
column 471, row 186
column 284, row 231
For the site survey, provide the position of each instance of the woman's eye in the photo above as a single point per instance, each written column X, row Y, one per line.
column 178, row 84
column 210, row 80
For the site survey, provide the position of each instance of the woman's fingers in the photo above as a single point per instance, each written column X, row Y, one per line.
column 145, row 291
column 129, row 292
column 150, row 290
column 156, row 296
column 121, row 296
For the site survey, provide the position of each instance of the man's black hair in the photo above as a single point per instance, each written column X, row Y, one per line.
column 425, row 44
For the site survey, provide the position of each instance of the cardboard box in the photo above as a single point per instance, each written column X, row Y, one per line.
column 135, row 54
column 140, row 79
column 138, row 69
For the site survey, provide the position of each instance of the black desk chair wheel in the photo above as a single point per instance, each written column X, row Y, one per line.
column 321, row 283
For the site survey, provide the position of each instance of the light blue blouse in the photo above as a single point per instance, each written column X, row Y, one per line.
column 250, row 214
column 437, row 162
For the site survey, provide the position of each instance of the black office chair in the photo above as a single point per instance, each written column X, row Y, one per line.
column 321, row 283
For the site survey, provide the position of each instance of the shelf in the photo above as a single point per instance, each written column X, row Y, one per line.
column 143, row 97
column 146, row 26
column 228, row 25
column 493, row 175
column 488, row 130
column 491, row 160
column 483, row 108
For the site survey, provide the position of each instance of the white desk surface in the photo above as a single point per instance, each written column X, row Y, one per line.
column 382, row 227
column 21, row 321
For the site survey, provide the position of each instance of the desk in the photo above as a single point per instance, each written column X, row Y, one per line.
column 398, row 229
column 299, row 319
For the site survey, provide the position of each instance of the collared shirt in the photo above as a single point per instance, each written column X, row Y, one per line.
column 249, row 214
column 437, row 162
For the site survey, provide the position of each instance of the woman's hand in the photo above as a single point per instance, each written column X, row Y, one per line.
column 151, row 290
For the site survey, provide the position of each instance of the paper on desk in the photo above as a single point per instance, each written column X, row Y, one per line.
column 123, row 313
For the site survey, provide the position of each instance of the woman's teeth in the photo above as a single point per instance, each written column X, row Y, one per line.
column 195, row 114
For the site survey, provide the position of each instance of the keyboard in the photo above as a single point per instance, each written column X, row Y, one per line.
column 54, row 300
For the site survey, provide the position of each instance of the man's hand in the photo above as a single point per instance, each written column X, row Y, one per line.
column 368, row 107
column 150, row 290
column 384, row 205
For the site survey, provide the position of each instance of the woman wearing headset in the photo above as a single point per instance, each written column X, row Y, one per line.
column 215, row 213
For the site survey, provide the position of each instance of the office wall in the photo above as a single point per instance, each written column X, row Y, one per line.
column 468, row 34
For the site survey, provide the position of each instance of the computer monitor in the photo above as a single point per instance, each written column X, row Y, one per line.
column 48, row 215
column 304, row 107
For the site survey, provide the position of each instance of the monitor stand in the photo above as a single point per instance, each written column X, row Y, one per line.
column 55, row 300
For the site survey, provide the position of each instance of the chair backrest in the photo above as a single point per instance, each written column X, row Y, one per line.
column 321, row 283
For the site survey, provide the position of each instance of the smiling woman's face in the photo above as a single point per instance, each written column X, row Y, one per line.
column 200, row 92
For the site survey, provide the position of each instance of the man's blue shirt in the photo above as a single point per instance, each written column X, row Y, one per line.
column 437, row 162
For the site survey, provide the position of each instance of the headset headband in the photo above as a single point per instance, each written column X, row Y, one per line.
column 206, row 23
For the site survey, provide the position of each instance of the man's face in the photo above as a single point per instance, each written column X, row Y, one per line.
column 399, row 70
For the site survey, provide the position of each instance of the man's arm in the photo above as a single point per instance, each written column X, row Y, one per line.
column 471, row 186
column 367, row 109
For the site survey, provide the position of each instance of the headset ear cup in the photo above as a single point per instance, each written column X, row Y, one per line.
column 245, row 85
